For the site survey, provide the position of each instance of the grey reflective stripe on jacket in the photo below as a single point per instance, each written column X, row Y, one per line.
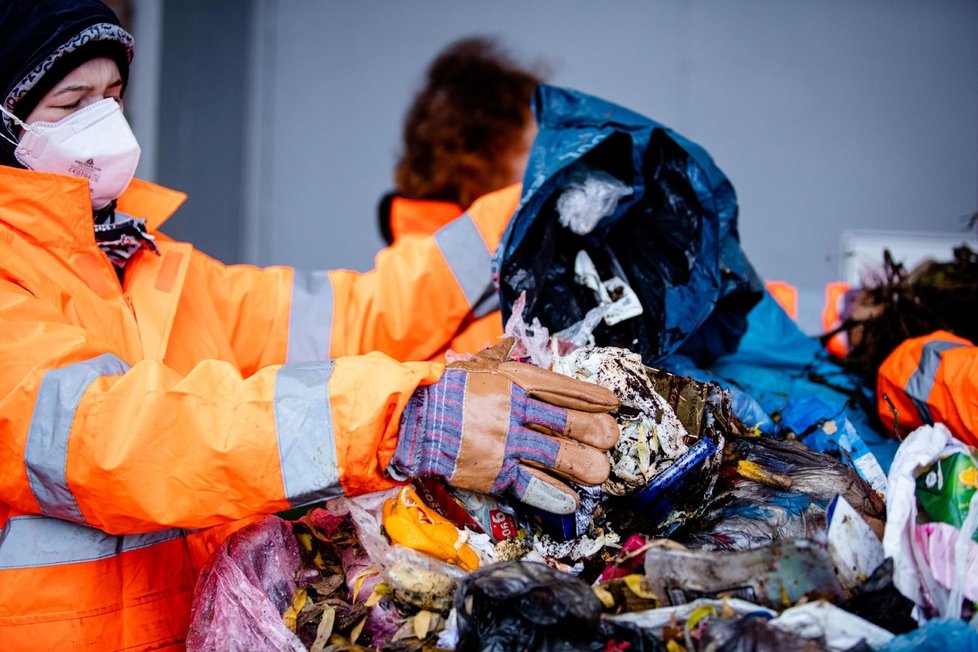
column 310, row 317
column 46, row 452
column 921, row 382
column 470, row 261
column 304, row 425
column 33, row 541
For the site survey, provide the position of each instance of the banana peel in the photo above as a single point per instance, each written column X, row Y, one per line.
column 413, row 524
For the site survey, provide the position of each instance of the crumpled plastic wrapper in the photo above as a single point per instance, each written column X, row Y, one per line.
column 652, row 437
column 242, row 592
column 589, row 196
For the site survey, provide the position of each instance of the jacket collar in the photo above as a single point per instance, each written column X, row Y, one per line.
column 56, row 209
column 406, row 216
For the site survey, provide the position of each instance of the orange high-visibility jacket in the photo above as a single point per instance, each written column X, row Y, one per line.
column 141, row 422
column 931, row 379
column 412, row 218
column 786, row 295
column 419, row 216
column 838, row 344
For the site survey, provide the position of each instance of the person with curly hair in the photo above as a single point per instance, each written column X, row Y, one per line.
column 467, row 133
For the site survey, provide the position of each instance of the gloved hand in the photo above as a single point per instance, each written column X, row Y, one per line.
column 493, row 426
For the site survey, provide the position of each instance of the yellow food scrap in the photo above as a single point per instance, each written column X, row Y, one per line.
column 290, row 615
column 413, row 524
column 604, row 595
column 637, row 586
column 754, row 471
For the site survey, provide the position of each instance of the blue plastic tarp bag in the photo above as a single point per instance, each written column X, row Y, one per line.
column 783, row 380
column 665, row 234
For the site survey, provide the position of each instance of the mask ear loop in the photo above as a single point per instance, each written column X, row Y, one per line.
column 20, row 123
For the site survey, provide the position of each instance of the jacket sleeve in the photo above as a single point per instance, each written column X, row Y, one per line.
column 931, row 379
column 87, row 437
column 421, row 292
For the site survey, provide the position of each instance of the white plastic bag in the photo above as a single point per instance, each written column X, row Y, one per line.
column 531, row 341
column 588, row 197
column 912, row 573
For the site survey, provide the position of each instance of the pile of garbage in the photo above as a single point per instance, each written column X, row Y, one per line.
column 753, row 503
column 706, row 536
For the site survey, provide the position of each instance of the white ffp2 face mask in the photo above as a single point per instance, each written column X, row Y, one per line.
column 94, row 142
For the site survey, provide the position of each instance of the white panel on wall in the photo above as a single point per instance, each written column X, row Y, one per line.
column 861, row 252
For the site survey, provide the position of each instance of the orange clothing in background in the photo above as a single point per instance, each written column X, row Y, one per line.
column 835, row 294
column 412, row 218
column 419, row 216
column 931, row 379
column 786, row 295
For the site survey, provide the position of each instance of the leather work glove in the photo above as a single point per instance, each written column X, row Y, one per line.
column 493, row 426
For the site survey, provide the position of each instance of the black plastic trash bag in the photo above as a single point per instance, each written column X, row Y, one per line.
column 530, row 606
column 754, row 634
column 662, row 233
column 879, row 602
column 771, row 490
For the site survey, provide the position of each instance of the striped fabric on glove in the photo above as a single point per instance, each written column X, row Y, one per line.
column 493, row 426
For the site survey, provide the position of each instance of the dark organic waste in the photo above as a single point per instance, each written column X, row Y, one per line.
column 529, row 606
column 899, row 304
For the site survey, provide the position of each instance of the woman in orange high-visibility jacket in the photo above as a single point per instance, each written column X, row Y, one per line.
column 467, row 133
column 153, row 400
column 931, row 379
column 411, row 219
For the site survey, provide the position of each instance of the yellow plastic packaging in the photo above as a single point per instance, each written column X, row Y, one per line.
column 411, row 523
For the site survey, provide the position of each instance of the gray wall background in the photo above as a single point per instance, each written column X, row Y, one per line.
column 281, row 118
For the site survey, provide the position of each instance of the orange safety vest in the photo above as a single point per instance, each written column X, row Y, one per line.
column 931, row 379
column 835, row 292
column 411, row 218
column 142, row 422
column 786, row 295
